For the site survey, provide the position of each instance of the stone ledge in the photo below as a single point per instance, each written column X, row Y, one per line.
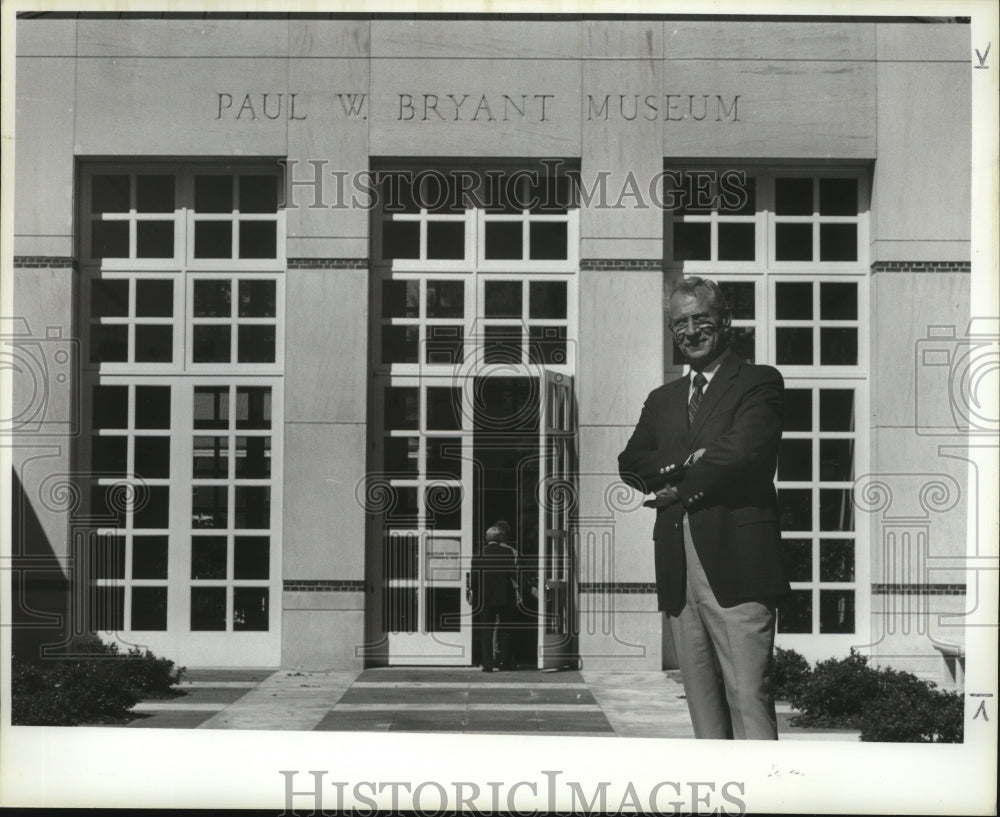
column 328, row 263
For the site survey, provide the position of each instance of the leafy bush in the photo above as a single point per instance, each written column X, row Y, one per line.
column 94, row 683
column 835, row 693
column 790, row 671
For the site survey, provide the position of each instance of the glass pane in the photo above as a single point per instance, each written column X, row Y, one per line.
column 258, row 239
column 253, row 457
column 211, row 407
column 795, row 461
column 213, row 239
column 502, row 344
column 836, row 611
column 446, row 239
column 836, row 460
column 444, row 457
column 400, row 343
column 795, row 346
column 838, row 242
column 743, row 341
column 550, row 194
column 444, row 408
column 443, row 609
column 257, row 299
column 252, row 557
column 444, row 506
column 838, row 301
column 400, row 239
column 838, row 346
column 836, row 510
column 737, row 196
column 793, row 301
column 149, row 608
column 399, row 613
column 213, row 299
column 253, row 407
column 503, row 240
column 401, row 407
column 793, row 242
column 796, row 556
column 152, row 406
column 399, row 456
column 208, row 608
column 109, row 298
column 443, row 560
column 400, row 557
column 154, row 298
column 741, row 298
column 154, row 239
column 110, row 406
column 211, row 458
column 445, row 299
column 403, row 512
column 109, row 343
column 547, row 299
column 795, row 508
column 445, row 345
column 737, row 242
column 107, row 557
column 836, row 560
column 208, row 557
column 548, row 240
column 109, row 193
column 400, row 299
column 250, row 608
column 253, row 506
column 154, row 343
column 149, row 557
column 213, row 194
column 256, row 344
column 258, row 194
column 153, row 509
column 692, row 241
column 209, row 506
column 838, row 197
column 398, row 193
column 211, row 343
column 109, row 239
column 795, row 612
column 152, row 457
column 836, row 410
column 793, row 197
column 108, row 504
column 107, row 608
column 548, row 345
column 108, row 456
column 503, row 299
column 154, row 194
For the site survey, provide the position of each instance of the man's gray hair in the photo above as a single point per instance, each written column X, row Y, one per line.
column 696, row 286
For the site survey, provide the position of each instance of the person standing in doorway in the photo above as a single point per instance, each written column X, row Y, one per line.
column 706, row 447
column 493, row 594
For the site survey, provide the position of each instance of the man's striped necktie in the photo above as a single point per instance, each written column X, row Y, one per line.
column 699, row 392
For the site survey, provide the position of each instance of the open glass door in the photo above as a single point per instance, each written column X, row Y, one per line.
column 557, row 499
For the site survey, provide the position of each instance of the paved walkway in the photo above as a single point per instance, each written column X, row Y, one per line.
column 438, row 699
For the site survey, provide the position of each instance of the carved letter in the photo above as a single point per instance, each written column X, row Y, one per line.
column 264, row 107
column 291, row 109
column 458, row 103
column 508, row 102
column 224, row 104
column 352, row 104
column 543, row 97
column 247, row 105
column 671, row 106
column 483, row 106
column 431, row 104
column 704, row 107
column 405, row 103
column 635, row 107
column 653, row 111
column 592, row 109
column 731, row 115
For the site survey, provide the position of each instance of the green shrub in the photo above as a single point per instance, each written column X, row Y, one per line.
column 790, row 671
column 93, row 683
column 835, row 693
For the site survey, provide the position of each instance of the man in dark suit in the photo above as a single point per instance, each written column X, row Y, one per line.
column 493, row 593
column 706, row 446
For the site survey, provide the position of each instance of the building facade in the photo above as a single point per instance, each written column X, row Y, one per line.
column 312, row 301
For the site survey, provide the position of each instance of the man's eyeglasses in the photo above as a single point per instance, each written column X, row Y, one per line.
column 691, row 324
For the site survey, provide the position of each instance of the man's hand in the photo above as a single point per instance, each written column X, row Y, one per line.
column 663, row 498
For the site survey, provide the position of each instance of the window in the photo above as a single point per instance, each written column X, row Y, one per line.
column 788, row 247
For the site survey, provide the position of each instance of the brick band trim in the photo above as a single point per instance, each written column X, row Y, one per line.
column 618, row 587
column 328, row 263
column 325, row 585
column 922, row 266
column 606, row 264
column 918, row 589
column 44, row 262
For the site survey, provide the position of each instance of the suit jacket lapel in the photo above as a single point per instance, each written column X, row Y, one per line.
column 721, row 383
column 676, row 406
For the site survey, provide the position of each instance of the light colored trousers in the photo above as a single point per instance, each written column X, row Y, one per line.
column 725, row 655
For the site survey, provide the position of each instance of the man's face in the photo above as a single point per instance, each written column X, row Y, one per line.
column 698, row 332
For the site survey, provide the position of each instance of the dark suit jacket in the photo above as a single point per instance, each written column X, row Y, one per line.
column 728, row 494
column 494, row 576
